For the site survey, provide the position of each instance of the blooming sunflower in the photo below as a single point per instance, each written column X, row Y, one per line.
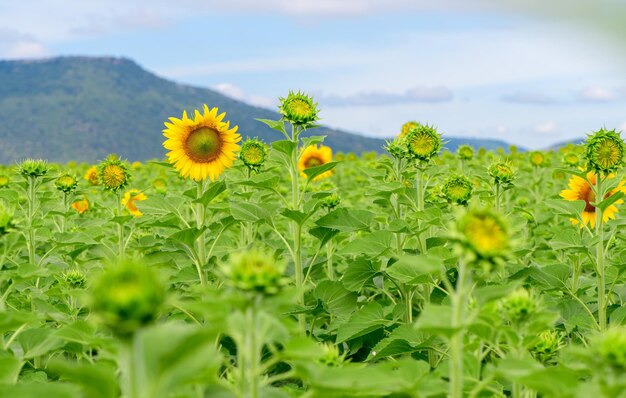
column 81, row 206
column 313, row 156
column 201, row 147
column 129, row 200
column 580, row 189
column 92, row 175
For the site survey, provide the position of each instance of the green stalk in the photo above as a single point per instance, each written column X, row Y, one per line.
column 420, row 204
column 127, row 366
column 32, row 201
column 121, row 247
column 600, row 257
column 64, row 212
column 497, row 197
column 297, row 228
column 456, row 341
column 200, row 242
column 252, row 355
column 330, row 270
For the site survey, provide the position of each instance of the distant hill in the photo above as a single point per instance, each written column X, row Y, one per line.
column 83, row 108
column 558, row 145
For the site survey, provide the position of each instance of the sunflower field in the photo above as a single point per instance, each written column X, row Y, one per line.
column 249, row 269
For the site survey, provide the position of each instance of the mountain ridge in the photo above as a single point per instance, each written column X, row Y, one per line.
column 82, row 108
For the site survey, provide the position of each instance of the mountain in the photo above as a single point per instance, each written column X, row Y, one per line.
column 83, row 108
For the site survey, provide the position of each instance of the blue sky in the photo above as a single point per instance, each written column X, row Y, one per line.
column 519, row 71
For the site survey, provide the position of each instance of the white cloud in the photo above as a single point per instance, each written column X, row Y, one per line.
column 622, row 127
column 596, row 94
column 26, row 49
column 237, row 93
column 546, row 128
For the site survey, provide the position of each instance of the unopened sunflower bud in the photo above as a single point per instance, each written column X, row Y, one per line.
column 113, row 174
column 519, row 306
column 255, row 271
column 66, row 183
column 457, row 189
column 33, row 168
column 501, row 172
column 298, row 109
column 465, row 152
column 127, row 297
column 423, row 142
column 253, row 154
column 604, row 151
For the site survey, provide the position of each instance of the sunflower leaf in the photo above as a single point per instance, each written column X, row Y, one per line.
column 610, row 200
column 285, row 147
column 313, row 172
column 312, row 140
column 215, row 189
column 277, row 125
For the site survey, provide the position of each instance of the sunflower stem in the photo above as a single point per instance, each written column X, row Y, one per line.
column 456, row 341
column 420, row 205
column 497, row 201
column 200, row 242
column 120, row 227
column 62, row 226
column 32, row 204
column 297, row 228
column 329, row 261
column 600, row 257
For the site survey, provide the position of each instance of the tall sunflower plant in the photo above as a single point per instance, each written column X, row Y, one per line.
column 201, row 148
column 604, row 154
column 302, row 157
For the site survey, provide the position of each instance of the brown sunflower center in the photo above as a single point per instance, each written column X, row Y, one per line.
column 203, row 145
column 313, row 161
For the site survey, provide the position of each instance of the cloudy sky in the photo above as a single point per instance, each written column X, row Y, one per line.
column 524, row 72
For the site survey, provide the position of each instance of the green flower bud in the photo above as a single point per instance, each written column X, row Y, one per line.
column 483, row 237
column 501, row 172
column 538, row 159
column 253, row 154
column 33, row 168
column 423, row 143
column 66, row 183
column 396, row 148
column 127, row 297
column 331, row 356
column 255, row 271
column 160, row 185
column 298, row 109
column 549, row 342
column 74, row 278
column 465, row 152
column 457, row 189
column 571, row 159
column 604, row 151
column 518, row 307
column 331, row 201
column 610, row 348
column 113, row 174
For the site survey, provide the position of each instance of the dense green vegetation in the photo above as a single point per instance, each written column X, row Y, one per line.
column 81, row 109
column 399, row 288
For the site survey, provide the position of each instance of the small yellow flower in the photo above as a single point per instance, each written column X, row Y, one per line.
column 313, row 156
column 81, row 206
column 579, row 189
column 92, row 175
column 406, row 127
column 129, row 200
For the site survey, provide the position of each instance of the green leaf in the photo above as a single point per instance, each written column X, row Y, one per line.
column 188, row 236
column 313, row 172
column 553, row 381
column 277, row 125
column 37, row 342
column 10, row 368
column 214, row 189
column 97, row 380
column 370, row 244
column 360, row 272
column 336, row 299
column 323, row 234
column 364, row 321
column 404, row 339
column 245, row 211
column 298, row 216
column 48, row 390
column 572, row 208
column 286, row 147
column 610, row 200
column 13, row 320
column 415, row 269
column 435, row 319
column 313, row 140
column 346, row 220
